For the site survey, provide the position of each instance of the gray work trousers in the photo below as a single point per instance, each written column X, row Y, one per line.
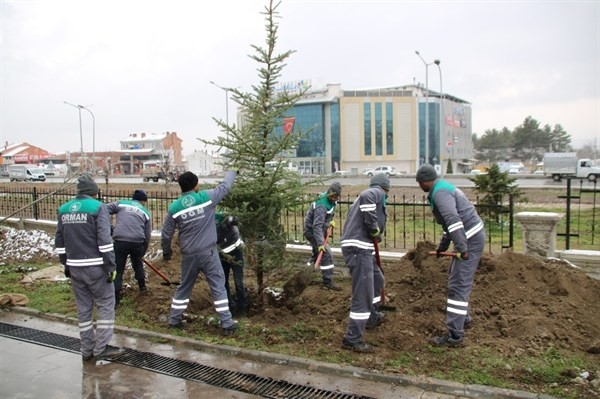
column 90, row 287
column 366, row 276
column 460, row 283
column 209, row 264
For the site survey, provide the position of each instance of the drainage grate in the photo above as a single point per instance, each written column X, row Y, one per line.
column 242, row 382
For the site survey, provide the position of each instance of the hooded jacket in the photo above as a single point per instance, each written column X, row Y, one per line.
column 457, row 215
column 317, row 219
column 366, row 215
column 133, row 222
column 83, row 234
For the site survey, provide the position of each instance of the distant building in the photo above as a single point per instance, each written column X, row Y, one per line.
column 357, row 129
column 22, row 153
column 164, row 146
column 203, row 163
column 140, row 149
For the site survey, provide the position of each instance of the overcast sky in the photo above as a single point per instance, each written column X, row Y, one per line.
column 146, row 66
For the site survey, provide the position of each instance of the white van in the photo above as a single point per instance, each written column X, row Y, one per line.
column 288, row 165
column 25, row 173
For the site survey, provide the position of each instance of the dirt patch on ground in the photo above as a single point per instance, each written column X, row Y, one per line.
column 521, row 305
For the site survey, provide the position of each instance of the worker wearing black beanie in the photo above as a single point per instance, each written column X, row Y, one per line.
column 188, row 181
column 193, row 216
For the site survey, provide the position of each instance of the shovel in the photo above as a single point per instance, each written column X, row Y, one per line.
column 318, row 261
column 451, row 254
column 167, row 282
column 382, row 305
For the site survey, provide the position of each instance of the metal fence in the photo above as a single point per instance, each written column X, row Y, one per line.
column 409, row 218
column 577, row 225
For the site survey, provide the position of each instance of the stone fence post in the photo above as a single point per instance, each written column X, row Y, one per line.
column 539, row 232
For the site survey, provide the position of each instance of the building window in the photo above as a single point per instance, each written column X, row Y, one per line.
column 335, row 134
column 389, row 128
column 378, row 129
column 367, row 137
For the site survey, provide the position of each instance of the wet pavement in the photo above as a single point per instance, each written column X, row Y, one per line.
column 32, row 370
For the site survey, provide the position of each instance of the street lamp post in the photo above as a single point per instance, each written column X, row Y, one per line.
column 226, row 90
column 80, row 128
column 93, row 135
column 79, row 108
column 426, row 106
column 442, row 119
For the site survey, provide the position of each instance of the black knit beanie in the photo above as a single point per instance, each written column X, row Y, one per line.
column 426, row 173
column 140, row 195
column 380, row 180
column 187, row 181
column 86, row 185
column 335, row 188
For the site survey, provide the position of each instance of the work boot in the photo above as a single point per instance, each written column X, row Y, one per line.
column 88, row 357
column 360, row 347
column 179, row 326
column 448, row 340
column 227, row 331
column 143, row 290
column 332, row 286
column 377, row 322
column 110, row 353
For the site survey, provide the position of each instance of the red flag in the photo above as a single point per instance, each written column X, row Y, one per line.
column 288, row 125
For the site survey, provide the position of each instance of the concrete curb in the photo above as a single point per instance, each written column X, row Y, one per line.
column 422, row 382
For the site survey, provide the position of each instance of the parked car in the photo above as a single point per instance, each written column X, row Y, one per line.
column 368, row 172
column 384, row 170
column 341, row 173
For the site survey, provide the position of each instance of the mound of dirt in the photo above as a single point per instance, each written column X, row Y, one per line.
column 519, row 303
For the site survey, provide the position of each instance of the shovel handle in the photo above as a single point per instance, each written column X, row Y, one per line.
column 452, row 254
column 378, row 260
column 318, row 261
column 151, row 266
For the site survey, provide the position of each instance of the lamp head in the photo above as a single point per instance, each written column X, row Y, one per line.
column 437, row 62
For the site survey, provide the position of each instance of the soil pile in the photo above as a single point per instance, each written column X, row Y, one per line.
column 519, row 303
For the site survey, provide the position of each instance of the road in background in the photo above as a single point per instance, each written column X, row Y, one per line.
column 528, row 181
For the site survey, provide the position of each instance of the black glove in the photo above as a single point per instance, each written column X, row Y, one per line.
column 438, row 253
column 462, row 255
column 67, row 272
column 167, row 256
column 232, row 221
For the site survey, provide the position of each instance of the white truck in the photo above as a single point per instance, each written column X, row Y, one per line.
column 25, row 173
column 566, row 164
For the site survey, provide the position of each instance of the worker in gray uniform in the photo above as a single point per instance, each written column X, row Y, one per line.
column 85, row 248
column 231, row 253
column 364, row 224
column 318, row 220
column 193, row 214
column 131, row 235
column 463, row 227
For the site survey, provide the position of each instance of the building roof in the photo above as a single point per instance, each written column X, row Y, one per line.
column 15, row 150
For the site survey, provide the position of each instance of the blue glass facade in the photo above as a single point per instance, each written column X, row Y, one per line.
column 310, row 120
column 367, row 138
column 336, row 148
column 434, row 132
column 389, row 129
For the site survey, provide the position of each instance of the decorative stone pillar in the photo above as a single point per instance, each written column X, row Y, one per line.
column 539, row 232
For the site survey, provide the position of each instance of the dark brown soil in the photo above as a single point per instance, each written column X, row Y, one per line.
column 522, row 306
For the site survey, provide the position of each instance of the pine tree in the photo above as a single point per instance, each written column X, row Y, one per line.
column 261, row 193
column 495, row 187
